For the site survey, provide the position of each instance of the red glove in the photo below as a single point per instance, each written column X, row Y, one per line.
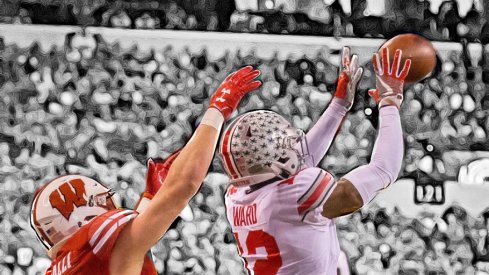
column 233, row 88
column 157, row 172
column 389, row 81
column 349, row 77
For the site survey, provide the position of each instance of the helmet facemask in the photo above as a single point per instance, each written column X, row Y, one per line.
column 296, row 142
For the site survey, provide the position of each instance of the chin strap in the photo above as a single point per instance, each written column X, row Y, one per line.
column 53, row 251
column 252, row 179
column 279, row 171
column 262, row 184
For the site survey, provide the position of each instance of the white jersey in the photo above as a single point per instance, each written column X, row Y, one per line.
column 279, row 228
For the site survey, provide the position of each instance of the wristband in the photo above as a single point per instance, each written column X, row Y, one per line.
column 143, row 202
column 213, row 118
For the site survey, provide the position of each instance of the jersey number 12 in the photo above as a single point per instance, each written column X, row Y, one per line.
column 259, row 238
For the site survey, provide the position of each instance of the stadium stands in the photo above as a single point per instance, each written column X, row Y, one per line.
column 101, row 109
column 437, row 20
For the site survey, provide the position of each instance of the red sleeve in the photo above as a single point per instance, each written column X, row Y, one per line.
column 105, row 229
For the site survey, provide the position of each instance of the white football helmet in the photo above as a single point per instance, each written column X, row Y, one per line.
column 261, row 146
column 65, row 204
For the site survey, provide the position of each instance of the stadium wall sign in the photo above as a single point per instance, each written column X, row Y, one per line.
column 400, row 195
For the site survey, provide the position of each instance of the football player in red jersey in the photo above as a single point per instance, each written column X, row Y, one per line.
column 85, row 233
column 280, row 206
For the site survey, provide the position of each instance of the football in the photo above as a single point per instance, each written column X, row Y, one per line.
column 417, row 48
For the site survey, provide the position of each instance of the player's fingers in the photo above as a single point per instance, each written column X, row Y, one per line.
column 396, row 62
column 354, row 64
column 345, row 57
column 405, row 70
column 243, row 71
column 251, row 86
column 385, row 60
column 357, row 75
column 248, row 77
column 376, row 62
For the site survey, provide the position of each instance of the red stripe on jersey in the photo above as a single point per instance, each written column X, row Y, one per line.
column 315, row 195
column 288, row 181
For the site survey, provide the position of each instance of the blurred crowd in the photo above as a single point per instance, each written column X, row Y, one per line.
column 146, row 14
column 99, row 110
column 381, row 241
column 449, row 20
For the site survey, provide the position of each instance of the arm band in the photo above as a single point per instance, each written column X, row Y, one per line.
column 143, row 202
column 213, row 118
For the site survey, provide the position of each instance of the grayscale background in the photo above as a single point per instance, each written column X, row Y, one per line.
column 97, row 87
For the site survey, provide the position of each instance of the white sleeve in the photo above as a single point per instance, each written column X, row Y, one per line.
column 320, row 137
column 387, row 156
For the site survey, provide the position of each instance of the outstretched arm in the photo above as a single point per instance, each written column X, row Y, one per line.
column 184, row 177
column 155, row 176
column 360, row 186
column 320, row 137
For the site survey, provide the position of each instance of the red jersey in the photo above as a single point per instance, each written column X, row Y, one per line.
column 89, row 250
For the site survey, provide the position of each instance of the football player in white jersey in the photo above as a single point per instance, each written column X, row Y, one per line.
column 281, row 207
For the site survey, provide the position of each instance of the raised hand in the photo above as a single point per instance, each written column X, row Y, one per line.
column 157, row 172
column 233, row 88
column 349, row 77
column 389, row 81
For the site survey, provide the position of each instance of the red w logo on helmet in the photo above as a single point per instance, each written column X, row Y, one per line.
column 71, row 199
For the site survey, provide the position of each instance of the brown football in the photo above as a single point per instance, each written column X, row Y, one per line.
column 418, row 49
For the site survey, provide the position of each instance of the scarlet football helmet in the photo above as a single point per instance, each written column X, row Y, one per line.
column 64, row 205
column 262, row 146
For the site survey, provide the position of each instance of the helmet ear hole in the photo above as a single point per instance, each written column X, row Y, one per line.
column 256, row 169
column 284, row 174
column 248, row 132
column 283, row 160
